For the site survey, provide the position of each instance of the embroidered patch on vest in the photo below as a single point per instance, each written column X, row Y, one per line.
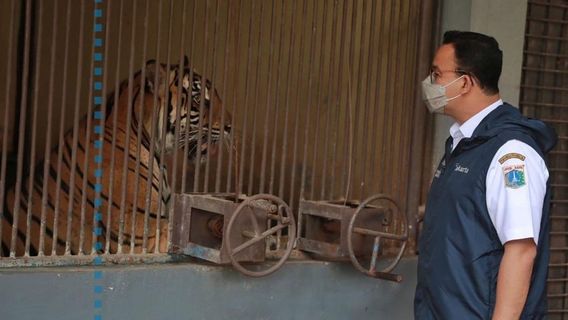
column 511, row 156
column 514, row 176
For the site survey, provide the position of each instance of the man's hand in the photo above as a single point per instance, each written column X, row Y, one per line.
column 514, row 278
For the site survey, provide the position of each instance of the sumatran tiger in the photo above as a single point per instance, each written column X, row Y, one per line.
column 139, row 207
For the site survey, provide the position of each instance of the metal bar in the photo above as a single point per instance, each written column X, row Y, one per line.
column 61, row 132
column 212, row 102
column 127, row 128
column 329, row 111
column 557, row 280
column 23, row 108
column 232, row 146
column 111, row 172
column 284, row 148
column 261, row 237
column 186, row 151
column 544, row 88
column 376, row 247
column 155, row 119
column 548, row 4
column 6, row 116
column 140, row 120
column 222, row 141
column 31, row 176
column 547, row 20
column 379, row 234
column 298, row 109
column 545, row 54
column 545, row 37
column 268, row 105
column 309, row 102
column 201, row 105
column 559, row 201
column 75, row 132
column 47, row 149
column 245, row 114
column 318, row 99
column 558, row 185
column 554, row 71
column 541, row 104
column 255, row 106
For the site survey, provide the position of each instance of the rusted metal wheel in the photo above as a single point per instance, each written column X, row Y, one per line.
column 400, row 235
column 271, row 208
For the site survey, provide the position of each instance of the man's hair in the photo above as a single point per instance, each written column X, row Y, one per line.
column 479, row 56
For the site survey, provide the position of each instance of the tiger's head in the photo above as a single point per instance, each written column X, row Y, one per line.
column 189, row 106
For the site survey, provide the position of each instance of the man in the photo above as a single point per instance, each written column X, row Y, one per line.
column 484, row 245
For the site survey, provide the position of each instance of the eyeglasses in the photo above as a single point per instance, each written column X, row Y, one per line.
column 436, row 74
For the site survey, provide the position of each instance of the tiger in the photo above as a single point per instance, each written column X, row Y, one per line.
column 156, row 106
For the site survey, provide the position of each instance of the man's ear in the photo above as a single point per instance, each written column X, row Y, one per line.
column 155, row 77
column 468, row 83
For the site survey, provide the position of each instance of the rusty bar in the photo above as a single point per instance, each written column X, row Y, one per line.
column 555, row 71
column 141, row 94
column 46, row 156
column 111, row 172
column 541, row 37
column 34, row 106
column 186, row 139
column 150, row 178
column 255, row 105
column 318, row 99
column 276, row 104
column 212, row 101
column 222, row 141
column 541, row 104
column 61, row 131
column 201, row 106
column 376, row 247
column 309, row 106
column 284, row 148
column 546, row 54
column 268, row 105
column 548, row 4
column 525, row 86
column 127, row 128
column 328, row 116
column 298, row 109
column 6, row 116
column 75, row 131
column 232, row 145
column 349, row 121
column 369, row 114
column 162, row 178
column 261, row 237
column 245, row 117
column 23, row 107
column 547, row 20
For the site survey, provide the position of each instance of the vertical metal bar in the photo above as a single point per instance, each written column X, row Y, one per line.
column 155, row 119
column 284, row 148
column 318, row 99
column 127, row 128
column 179, row 106
column 32, row 162
column 212, row 101
column 352, row 121
column 61, row 133
column 268, row 105
column 186, row 151
column 75, row 131
column 115, row 110
column 367, row 102
column 46, row 156
column 233, row 146
column 276, row 106
column 329, row 111
column 23, row 106
column 140, row 121
column 201, row 107
column 162, row 177
column 222, row 141
column 298, row 109
column 245, row 117
column 6, row 116
column 307, row 123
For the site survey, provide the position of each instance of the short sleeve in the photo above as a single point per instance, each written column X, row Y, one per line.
column 516, row 187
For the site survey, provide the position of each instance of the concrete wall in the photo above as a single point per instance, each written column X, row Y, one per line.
column 505, row 21
column 300, row 290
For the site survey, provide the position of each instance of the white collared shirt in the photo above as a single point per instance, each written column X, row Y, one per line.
column 515, row 183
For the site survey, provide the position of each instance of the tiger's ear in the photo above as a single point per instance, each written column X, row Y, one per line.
column 155, row 77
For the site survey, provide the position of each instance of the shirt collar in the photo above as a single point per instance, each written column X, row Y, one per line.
column 467, row 128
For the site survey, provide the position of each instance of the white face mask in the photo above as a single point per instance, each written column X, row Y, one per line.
column 434, row 95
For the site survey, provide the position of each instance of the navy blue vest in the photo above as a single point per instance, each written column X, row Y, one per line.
column 459, row 250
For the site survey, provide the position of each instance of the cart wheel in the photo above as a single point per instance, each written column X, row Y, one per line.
column 400, row 234
column 271, row 208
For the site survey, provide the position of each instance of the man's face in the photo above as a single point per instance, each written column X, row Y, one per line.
column 444, row 72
